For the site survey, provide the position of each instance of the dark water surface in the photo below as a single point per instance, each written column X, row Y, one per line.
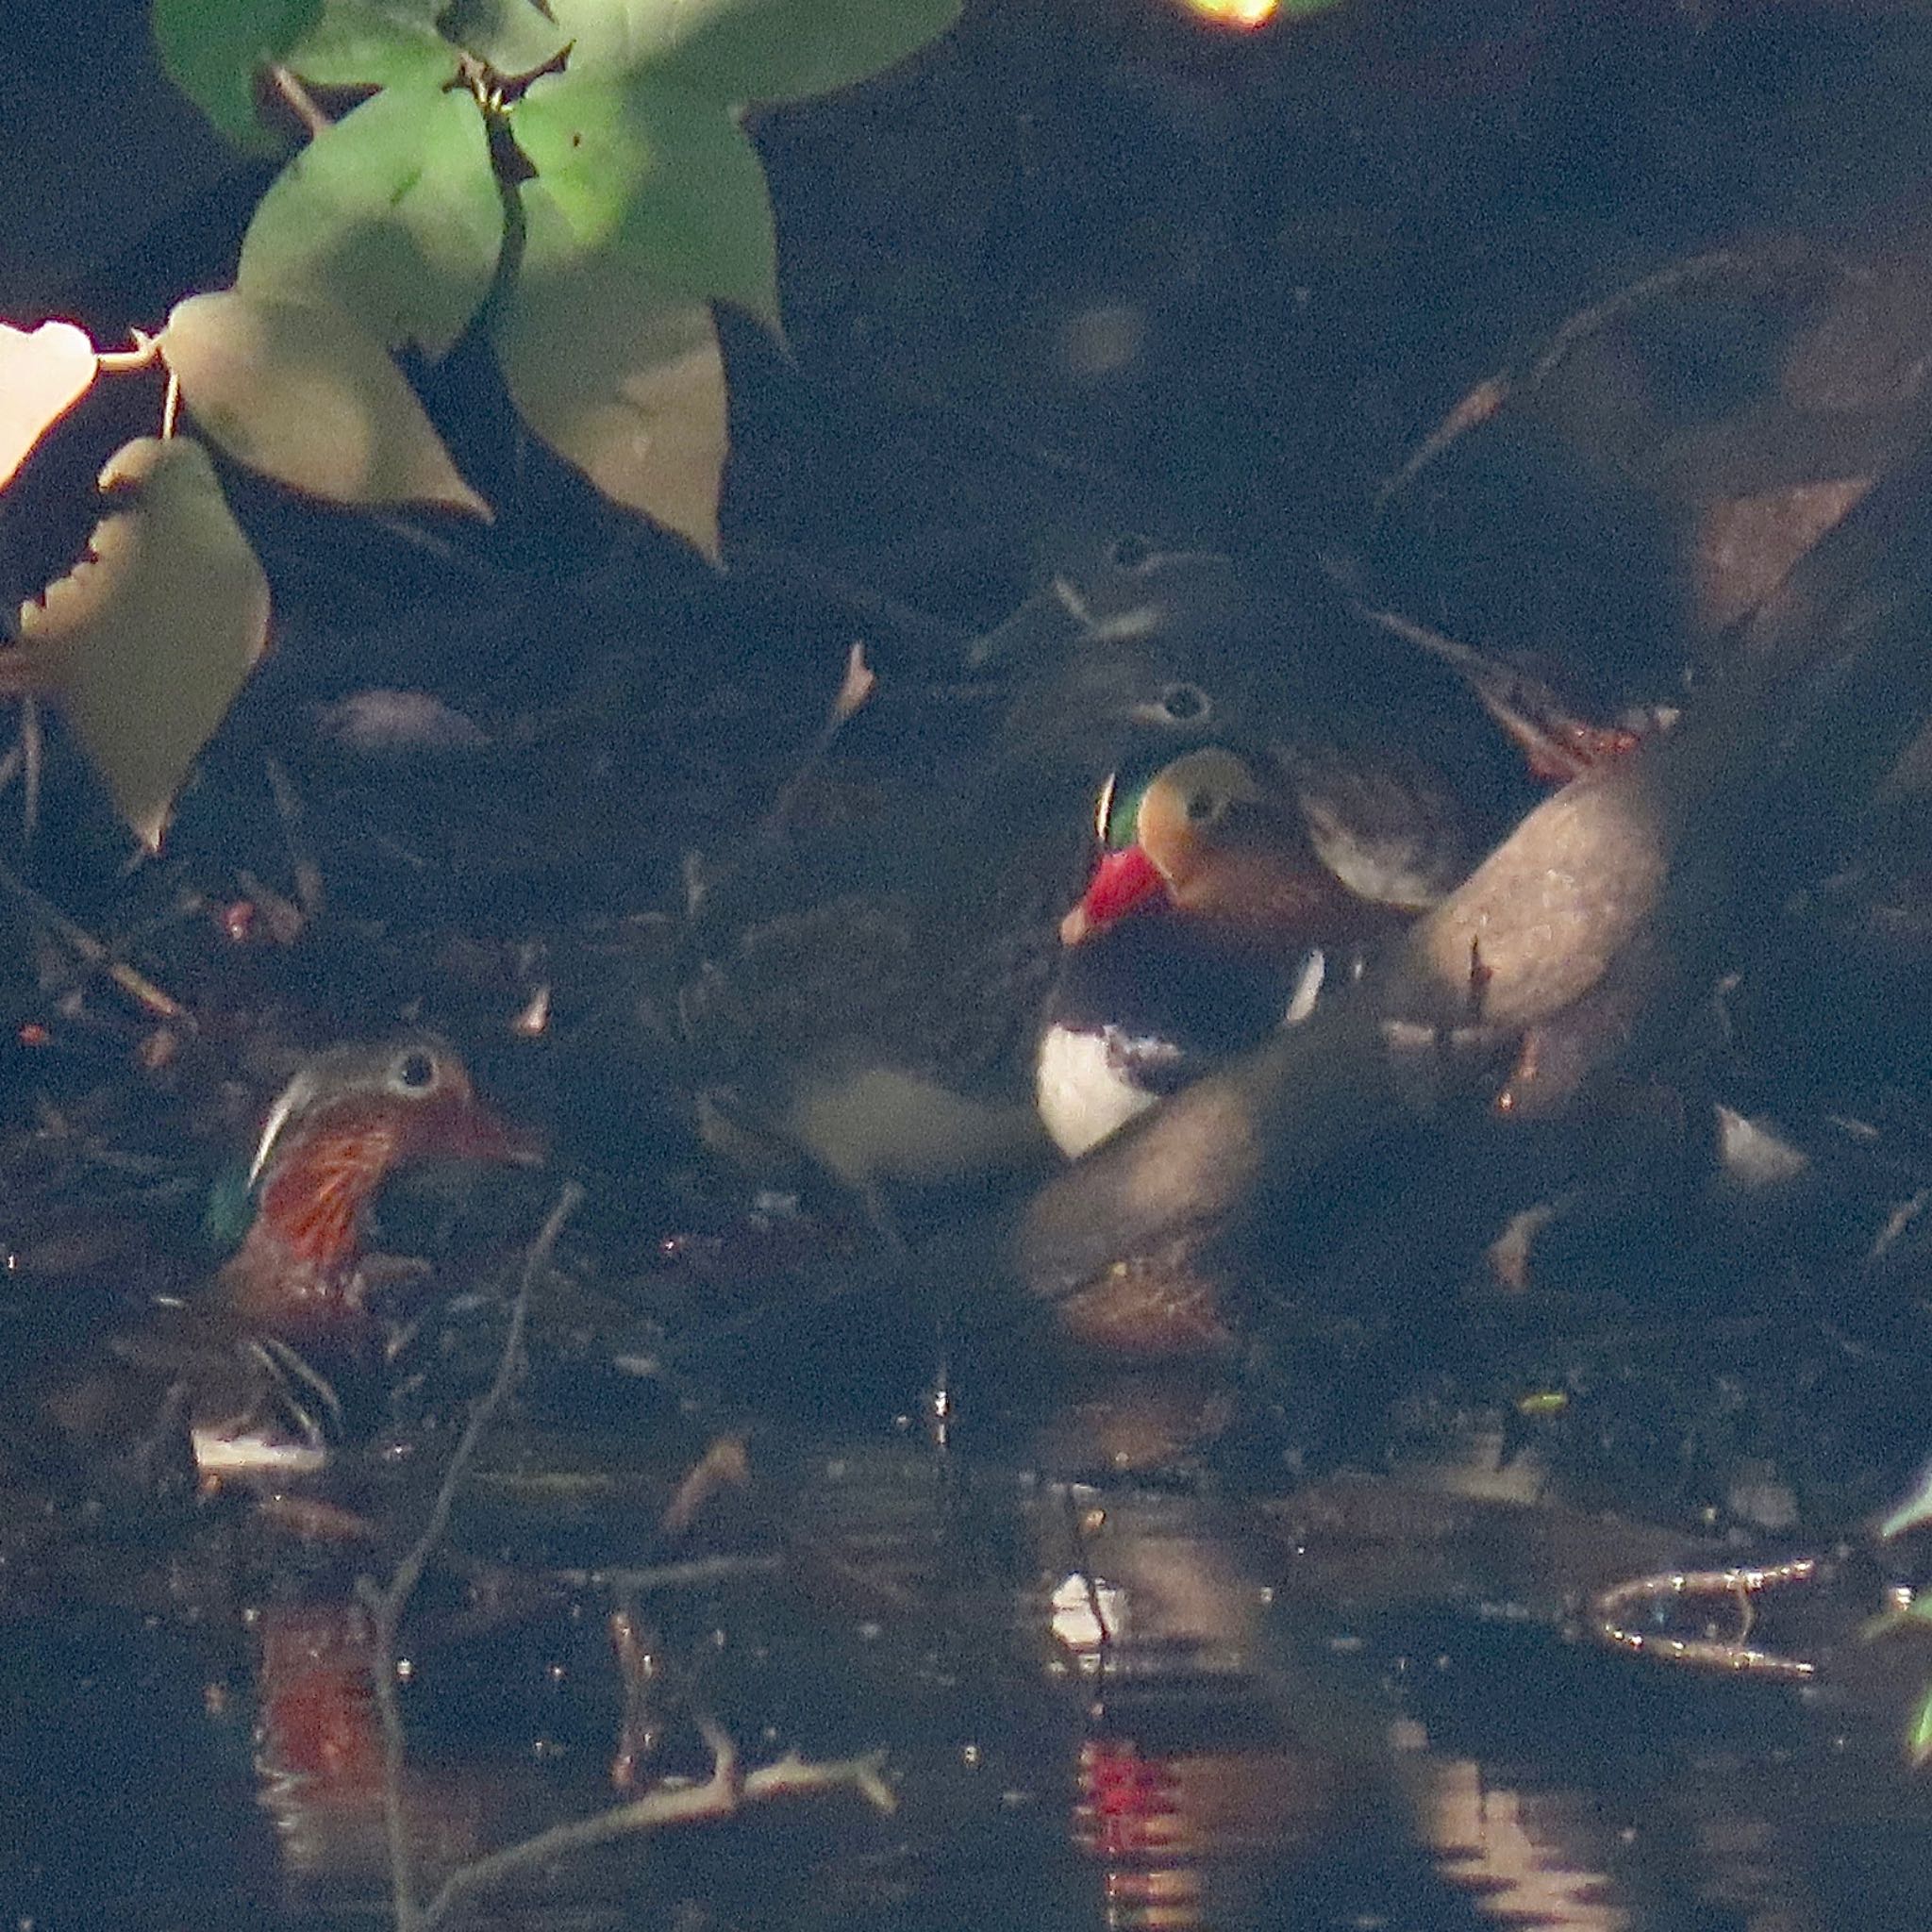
column 1373, row 1704
column 1079, row 272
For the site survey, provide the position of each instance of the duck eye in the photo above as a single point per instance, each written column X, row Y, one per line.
column 1203, row 807
column 1184, row 704
column 1129, row 552
column 413, row 1072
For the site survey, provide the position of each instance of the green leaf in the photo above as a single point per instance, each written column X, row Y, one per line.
column 733, row 52
column 671, row 184
column 1919, row 1731
column 145, row 643
column 299, row 392
column 620, row 378
column 1912, row 1510
column 373, row 43
column 211, row 50
column 511, row 35
column 392, row 214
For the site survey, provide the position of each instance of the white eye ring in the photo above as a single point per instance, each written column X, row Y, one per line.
column 415, row 1073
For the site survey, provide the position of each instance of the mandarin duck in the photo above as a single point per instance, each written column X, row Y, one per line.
column 347, row 1120
column 869, row 973
column 1226, row 887
column 260, row 1346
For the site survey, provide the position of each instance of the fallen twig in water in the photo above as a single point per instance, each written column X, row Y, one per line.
column 1738, row 1588
column 726, row 1792
column 723, row 1794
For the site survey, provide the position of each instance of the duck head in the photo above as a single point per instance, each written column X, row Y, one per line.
column 347, row 1120
column 1207, row 840
column 1134, row 646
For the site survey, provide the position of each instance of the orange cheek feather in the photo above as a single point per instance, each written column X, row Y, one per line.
column 314, row 1203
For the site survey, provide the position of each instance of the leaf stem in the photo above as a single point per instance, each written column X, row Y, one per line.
column 298, row 100
column 144, row 353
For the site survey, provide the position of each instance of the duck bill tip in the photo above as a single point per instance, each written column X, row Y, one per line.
column 485, row 1135
column 1121, row 881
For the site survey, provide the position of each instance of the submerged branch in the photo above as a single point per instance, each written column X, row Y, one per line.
column 723, row 1794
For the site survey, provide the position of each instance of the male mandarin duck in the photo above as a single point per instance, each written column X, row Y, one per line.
column 880, row 959
column 263, row 1344
column 1227, row 885
column 348, row 1120
column 1583, row 948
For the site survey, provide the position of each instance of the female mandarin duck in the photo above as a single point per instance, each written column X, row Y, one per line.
column 1225, row 883
column 290, row 1309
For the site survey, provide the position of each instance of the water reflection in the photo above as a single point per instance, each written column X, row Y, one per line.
column 319, row 1762
column 1526, row 1855
column 1100, row 1705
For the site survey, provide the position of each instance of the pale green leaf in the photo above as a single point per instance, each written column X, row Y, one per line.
column 738, row 51
column 299, row 392
column 213, row 49
column 1919, row 1731
column 392, row 215
column 623, row 380
column 511, row 35
column 43, row 374
column 144, row 645
column 671, row 184
column 373, row 44
column 1912, row 1510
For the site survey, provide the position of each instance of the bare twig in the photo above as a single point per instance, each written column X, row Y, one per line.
column 33, row 749
column 1738, row 1589
column 1490, row 396
column 387, row 1605
column 857, row 684
column 144, row 353
column 723, row 1794
column 1556, row 744
column 639, row 1670
column 298, row 100
column 701, row 1572
column 724, row 1465
column 82, row 943
column 308, row 890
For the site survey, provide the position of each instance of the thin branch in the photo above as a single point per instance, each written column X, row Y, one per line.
column 1612, row 1625
column 302, row 861
column 1490, row 396
column 146, row 352
column 700, row 1572
column 857, row 685
column 722, row 1795
column 388, row 1604
column 135, row 984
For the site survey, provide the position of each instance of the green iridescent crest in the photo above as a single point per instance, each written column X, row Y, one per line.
column 1117, row 815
